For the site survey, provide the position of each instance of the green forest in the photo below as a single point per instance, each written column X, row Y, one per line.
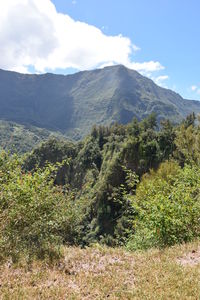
column 135, row 186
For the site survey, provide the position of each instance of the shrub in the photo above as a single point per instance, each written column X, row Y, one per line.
column 35, row 216
column 167, row 203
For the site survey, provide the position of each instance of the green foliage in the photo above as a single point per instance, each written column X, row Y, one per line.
column 166, row 139
column 23, row 138
column 167, row 203
column 187, row 144
column 98, row 170
column 36, row 218
column 189, row 120
column 136, row 182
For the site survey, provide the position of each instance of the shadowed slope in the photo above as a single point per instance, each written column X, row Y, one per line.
column 72, row 104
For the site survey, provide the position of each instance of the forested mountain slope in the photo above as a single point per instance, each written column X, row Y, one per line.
column 72, row 104
column 18, row 138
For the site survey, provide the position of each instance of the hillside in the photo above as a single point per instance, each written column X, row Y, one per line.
column 114, row 216
column 72, row 104
column 23, row 138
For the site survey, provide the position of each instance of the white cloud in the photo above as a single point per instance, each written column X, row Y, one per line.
column 147, row 67
column 193, row 88
column 33, row 33
column 160, row 80
column 135, row 48
column 108, row 64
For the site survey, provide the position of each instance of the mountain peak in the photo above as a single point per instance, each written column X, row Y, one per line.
column 72, row 104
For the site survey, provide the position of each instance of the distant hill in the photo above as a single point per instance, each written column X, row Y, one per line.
column 22, row 138
column 71, row 104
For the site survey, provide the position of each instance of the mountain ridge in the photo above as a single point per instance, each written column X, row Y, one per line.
column 73, row 103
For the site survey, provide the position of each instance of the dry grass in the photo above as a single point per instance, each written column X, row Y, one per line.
column 102, row 273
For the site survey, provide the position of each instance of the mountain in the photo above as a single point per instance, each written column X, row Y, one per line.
column 71, row 104
column 23, row 138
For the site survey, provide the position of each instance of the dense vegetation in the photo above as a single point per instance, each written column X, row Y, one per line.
column 135, row 185
column 72, row 104
column 22, row 138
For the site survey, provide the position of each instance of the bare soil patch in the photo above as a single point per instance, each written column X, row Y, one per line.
column 190, row 259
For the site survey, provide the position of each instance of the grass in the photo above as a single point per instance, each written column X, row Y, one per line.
column 105, row 273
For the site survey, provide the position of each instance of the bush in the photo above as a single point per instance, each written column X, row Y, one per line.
column 167, row 203
column 36, row 218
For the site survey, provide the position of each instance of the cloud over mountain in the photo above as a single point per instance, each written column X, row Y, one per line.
column 33, row 34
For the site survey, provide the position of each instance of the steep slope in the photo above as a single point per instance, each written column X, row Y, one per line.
column 72, row 104
column 21, row 138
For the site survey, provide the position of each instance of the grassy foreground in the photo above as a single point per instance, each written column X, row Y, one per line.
column 104, row 273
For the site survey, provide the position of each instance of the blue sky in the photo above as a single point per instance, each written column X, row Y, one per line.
column 158, row 38
column 167, row 31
